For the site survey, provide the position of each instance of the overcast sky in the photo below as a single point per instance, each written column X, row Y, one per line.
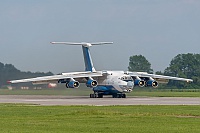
column 156, row 29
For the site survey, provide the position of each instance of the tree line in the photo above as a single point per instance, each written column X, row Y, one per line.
column 9, row 72
column 182, row 65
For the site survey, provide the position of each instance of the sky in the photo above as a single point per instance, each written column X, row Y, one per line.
column 156, row 29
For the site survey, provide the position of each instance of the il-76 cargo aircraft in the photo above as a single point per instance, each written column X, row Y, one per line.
column 115, row 83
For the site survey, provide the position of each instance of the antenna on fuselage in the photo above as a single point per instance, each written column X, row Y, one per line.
column 86, row 52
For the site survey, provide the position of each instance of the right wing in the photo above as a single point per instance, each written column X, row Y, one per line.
column 56, row 78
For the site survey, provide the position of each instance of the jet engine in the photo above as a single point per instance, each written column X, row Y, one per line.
column 152, row 83
column 72, row 84
column 139, row 82
column 91, row 83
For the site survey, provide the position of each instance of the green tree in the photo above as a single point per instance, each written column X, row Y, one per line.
column 186, row 66
column 9, row 72
column 139, row 63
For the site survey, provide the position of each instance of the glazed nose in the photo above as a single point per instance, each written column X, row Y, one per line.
column 130, row 85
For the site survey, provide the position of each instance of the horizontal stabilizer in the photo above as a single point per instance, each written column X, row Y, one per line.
column 85, row 44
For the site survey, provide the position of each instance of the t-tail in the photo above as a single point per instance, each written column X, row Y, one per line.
column 86, row 52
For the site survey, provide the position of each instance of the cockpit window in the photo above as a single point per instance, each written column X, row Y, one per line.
column 126, row 78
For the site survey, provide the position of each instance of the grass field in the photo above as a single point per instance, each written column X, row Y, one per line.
column 71, row 119
column 166, row 92
column 86, row 91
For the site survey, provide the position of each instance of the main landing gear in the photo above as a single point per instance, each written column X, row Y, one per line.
column 121, row 95
column 96, row 95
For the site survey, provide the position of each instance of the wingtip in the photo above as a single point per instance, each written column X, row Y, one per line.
column 189, row 81
column 9, row 82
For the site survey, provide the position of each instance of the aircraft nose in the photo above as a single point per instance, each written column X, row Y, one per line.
column 130, row 85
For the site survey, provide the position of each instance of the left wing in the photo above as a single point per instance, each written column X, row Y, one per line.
column 145, row 79
column 57, row 78
column 144, row 74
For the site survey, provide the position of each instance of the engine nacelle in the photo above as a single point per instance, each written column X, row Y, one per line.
column 91, row 83
column 139, row 82
column 152, row 83
column 72, row 84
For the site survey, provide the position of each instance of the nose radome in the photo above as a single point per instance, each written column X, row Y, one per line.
column 130, row 84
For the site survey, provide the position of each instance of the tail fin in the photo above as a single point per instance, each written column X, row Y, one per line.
column 86, row 52
column 87, row 59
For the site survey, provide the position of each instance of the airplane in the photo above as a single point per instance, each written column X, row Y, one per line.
column 115, row 83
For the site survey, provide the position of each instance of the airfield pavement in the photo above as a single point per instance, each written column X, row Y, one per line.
column 84, row 100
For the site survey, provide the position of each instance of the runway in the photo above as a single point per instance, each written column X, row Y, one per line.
column 82, row 100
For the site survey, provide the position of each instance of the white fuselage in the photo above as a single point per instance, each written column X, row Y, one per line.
column 116, row 81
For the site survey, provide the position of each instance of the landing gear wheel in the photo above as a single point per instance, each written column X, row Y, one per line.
column 114, row 95
column 96, row 95
column 119, row 95
column 100, row 95
column 123, row 95
column 91, row 95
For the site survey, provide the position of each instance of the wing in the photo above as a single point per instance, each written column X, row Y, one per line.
column 159, row 77
column 56, row 78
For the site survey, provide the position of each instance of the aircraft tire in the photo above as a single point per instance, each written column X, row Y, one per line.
column 123, row 95
column 96, row 95
column 100, row 95
column 92, row 96
column 114, row 95
column 119, row 95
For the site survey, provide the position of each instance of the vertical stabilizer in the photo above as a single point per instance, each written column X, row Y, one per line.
column 86, row 52
column 88, row 60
